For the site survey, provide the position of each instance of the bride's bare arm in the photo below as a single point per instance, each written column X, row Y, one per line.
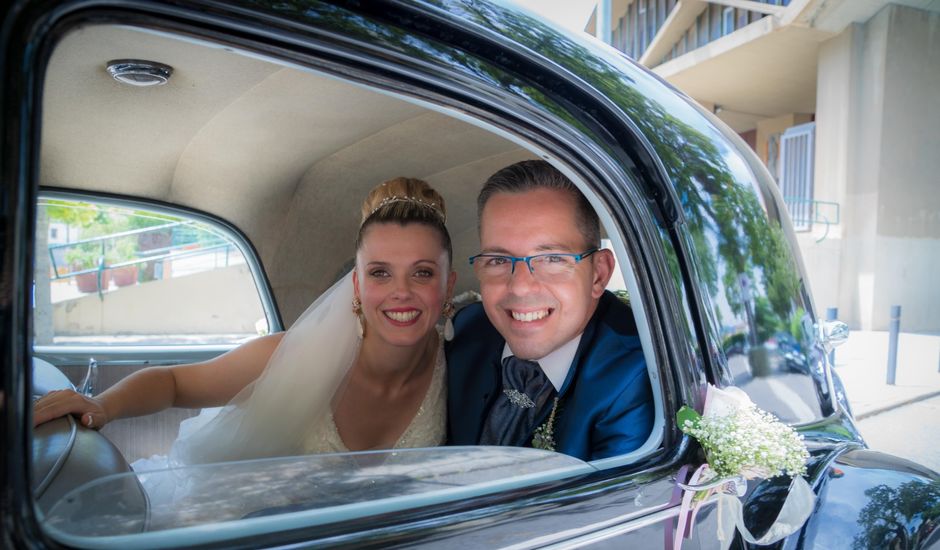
column 215, row 382
column 207, row 384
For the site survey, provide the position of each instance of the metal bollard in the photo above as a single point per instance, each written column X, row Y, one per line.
column 894, row 326
column 832, row 313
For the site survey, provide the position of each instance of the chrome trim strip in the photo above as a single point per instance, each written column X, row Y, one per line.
column 613, row 531
column 585, row 531
column 603, row 530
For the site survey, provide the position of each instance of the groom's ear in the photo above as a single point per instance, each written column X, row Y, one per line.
column 604, row 263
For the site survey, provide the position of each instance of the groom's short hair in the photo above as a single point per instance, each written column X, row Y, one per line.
column 530, row 175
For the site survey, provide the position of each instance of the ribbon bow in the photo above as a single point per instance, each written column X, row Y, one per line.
column 793, row 514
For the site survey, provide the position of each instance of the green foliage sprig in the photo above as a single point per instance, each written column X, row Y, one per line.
column 544, row 436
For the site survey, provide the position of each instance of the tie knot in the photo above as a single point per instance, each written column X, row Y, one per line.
column 523, row 381
column 522, row 368
column 515, row 413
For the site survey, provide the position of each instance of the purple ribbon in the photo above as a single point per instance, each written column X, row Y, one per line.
column 675, row 499
column 687, row 511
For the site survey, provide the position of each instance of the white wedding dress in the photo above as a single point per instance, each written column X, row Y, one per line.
column 286, row 411
column 427, row 429
column 166, row 484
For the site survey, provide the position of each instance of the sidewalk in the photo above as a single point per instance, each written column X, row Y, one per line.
column 862, row 364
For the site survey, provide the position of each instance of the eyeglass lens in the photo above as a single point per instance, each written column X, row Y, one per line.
column 545, row 267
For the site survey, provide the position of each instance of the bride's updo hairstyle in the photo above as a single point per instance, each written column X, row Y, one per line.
column 404, row 201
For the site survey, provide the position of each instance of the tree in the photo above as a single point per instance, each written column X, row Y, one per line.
column 894, row 516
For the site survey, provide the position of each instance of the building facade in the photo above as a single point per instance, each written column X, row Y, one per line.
column 841, row 100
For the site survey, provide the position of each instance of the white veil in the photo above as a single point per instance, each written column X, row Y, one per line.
column 273, row 415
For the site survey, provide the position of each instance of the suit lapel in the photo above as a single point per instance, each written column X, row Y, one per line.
column 489, row 388
column 581, row 356
column 584, row 347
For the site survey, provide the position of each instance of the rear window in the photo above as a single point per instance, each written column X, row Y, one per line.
column 117, row 275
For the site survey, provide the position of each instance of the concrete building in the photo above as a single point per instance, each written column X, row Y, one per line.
column 841, row 100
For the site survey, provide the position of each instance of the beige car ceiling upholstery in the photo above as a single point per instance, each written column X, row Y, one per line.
column 284, row 154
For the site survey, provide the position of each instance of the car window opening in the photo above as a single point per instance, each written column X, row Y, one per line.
column 319, row 159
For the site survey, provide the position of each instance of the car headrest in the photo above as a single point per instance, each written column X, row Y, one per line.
column 46, row 377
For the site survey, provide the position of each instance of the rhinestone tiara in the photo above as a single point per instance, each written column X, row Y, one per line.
column 390, row 200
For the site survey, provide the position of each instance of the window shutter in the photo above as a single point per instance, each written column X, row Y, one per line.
column 796, row 173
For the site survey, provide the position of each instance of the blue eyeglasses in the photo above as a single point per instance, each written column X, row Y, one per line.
column 550, row 267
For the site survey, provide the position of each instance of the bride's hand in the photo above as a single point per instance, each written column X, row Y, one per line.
column 89, row 411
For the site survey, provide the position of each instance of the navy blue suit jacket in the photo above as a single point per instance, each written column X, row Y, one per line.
column 605, row 404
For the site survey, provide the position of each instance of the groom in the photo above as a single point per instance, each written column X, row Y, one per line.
column 551, row 360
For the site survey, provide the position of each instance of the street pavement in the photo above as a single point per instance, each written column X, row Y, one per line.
column 909, row 432
column 901, row 419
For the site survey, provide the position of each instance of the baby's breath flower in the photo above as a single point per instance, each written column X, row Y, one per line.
column 748, row 440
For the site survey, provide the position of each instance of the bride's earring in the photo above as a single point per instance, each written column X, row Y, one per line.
column 357, row 309
column 448, row 313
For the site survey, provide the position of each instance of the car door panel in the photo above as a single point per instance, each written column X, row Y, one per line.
column 140, row 437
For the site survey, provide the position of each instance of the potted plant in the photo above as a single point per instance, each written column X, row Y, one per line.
column 82, row 258
column 122, row 251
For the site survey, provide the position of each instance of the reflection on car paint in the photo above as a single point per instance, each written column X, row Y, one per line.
column 314, row 489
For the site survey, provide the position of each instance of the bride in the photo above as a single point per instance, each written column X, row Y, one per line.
column 362, row 368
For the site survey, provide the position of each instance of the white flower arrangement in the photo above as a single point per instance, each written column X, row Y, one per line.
column 742, row 442
column 741, row 439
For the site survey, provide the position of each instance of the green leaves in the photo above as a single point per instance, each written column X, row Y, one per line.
column 687, row 414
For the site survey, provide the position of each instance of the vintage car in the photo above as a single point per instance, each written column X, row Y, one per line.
column 181, row 176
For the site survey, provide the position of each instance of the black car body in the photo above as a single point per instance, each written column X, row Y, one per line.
column 714, row 274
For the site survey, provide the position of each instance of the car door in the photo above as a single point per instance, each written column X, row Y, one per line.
column 469, row 72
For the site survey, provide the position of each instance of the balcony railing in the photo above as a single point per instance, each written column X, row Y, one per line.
column 634, row 30
column 169, row 241
column 806, row 212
